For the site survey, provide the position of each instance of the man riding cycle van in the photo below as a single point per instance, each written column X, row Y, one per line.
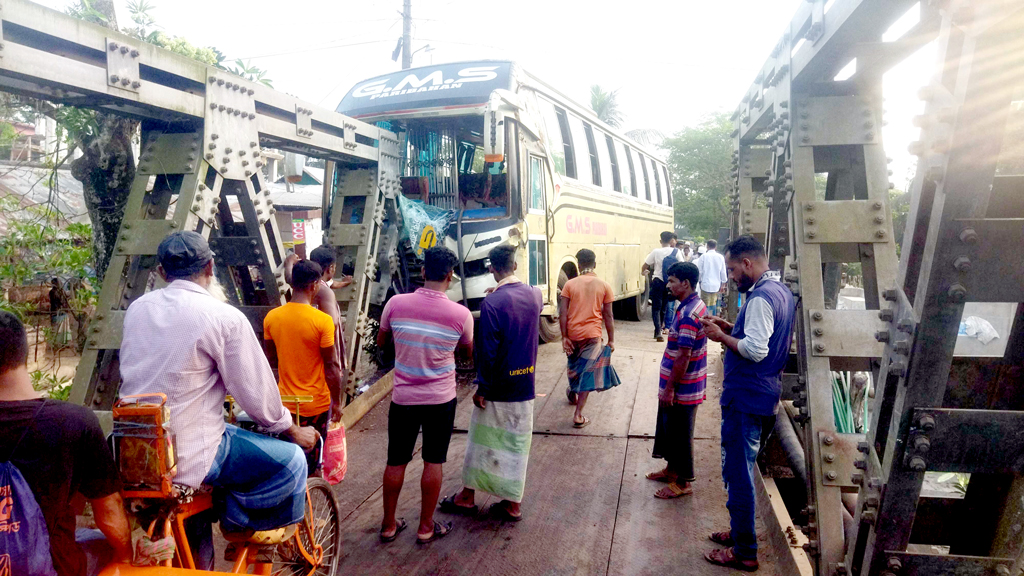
column 183, row 342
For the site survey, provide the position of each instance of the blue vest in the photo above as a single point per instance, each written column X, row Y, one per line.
column 755, row 387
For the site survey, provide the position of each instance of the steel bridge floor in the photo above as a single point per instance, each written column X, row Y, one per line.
column 588, row 508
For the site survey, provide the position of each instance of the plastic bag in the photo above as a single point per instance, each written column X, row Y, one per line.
column 979, row 328
column 24, row 541
column 335, row 454
column 423, row 225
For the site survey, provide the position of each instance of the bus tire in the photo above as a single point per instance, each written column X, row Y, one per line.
column 634, row 307
column 550, row 331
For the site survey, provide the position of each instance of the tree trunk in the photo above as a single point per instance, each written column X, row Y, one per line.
column 106, row 170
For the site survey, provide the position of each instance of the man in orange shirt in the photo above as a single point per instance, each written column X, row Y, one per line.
column 300, row 339
column 584, row 304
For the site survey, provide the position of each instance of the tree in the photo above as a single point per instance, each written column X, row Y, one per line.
column 605, row 106
column 699, row 163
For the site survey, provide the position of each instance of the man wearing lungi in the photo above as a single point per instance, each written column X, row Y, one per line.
column 681, row 388
column 583, row 306
column 501, row 426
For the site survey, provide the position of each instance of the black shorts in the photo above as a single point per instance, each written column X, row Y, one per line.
column 404, row 422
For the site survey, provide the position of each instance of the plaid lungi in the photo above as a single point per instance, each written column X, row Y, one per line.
column 590, row 367
column 499, row 448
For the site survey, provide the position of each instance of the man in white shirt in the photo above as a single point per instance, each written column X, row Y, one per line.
column 654, row 263
column 182, row 342
column 712, row 276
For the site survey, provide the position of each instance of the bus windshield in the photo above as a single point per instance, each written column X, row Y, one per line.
column 439, row 149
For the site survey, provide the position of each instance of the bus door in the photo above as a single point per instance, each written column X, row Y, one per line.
column 538, row 194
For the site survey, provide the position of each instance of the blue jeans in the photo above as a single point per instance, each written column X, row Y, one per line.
column 742, row 435
column 670, row 312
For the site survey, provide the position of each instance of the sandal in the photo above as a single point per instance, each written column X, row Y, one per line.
column 673, row 491
column 501, row 511
column 440, row 529
column 449, row 506
column 583, row 424
column 723, row 538
column 400, row 525
column 725, row 557
column 572, row 396
column 661, row 476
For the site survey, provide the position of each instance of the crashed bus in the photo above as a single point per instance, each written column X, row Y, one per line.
column 509, row 159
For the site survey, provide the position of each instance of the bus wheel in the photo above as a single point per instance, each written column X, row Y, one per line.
column 549, row 329
column 634, row 307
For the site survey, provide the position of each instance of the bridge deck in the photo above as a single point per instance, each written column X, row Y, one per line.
column 588, row 508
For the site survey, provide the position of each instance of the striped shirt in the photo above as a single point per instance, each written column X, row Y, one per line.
column 183, row 342
column 426, row 328
column 687, row 333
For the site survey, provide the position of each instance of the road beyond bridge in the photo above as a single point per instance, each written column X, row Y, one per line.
column 588, row 508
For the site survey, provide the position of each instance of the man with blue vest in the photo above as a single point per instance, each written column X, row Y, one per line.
column 757, row 347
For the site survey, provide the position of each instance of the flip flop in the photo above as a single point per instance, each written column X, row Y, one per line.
column 581, row 424
column 572, row 396
column 723, row 538
column 449, row 506
column 501, row 511
column 675, row 491
column 400, row 525
column 725, row 557
column 659, row 476
column 440, row 530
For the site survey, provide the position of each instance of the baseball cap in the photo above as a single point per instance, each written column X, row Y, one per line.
column 182, row 254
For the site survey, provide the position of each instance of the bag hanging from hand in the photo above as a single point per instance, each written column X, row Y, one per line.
column 335, row 454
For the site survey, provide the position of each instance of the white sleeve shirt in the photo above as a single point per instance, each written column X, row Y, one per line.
column 712, row 271
column 758, row 326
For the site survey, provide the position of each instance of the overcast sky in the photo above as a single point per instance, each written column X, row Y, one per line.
column 672, row 61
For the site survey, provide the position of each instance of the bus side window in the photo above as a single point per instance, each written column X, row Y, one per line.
column 647, row 177
column 657, row 179
column 570, row 155
column 537, row 199
column 595, row 166
column 668, row 187
column 616, row 180
column 538, row 250
column 632, row 172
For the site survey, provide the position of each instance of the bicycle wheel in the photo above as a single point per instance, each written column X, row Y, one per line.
column 320, row 532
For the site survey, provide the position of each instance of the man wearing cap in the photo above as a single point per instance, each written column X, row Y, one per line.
column 182, row 342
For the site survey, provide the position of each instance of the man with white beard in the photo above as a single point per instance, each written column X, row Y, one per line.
column 182, row 342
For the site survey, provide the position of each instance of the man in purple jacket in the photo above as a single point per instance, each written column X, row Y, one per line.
column 506, row 355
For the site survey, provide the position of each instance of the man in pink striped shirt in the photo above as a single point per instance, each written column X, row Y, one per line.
column 426, row 329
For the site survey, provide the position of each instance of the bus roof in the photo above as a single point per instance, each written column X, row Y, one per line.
column 454, row 85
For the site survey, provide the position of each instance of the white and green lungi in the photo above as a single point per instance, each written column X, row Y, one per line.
column 499, row 448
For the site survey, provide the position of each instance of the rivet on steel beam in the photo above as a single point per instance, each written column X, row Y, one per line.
column 830, row 457
column 209, row 155
column 968, row 236
column 827, row 440
column 818, row 332
column 926, row 422
column 860, row 464
column 857, row 478
column 220, row 82
column 957, row 293
column 898, row 369
column 869, row 136
column 819, row 347
column 831, row 475
column 880, row 233
column 115, row 78
column 882, row 336
column 918, row 464
column 810, row 234
column 879, row 220
column 810, row 221
column 214, row 136
column 922, row 444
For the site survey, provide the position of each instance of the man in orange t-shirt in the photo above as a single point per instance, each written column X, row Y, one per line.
column 583, row 306
column 300, row 339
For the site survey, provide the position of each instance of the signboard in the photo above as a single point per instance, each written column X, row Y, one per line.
column 444, row 85
column 298, row 231
column 428, row 238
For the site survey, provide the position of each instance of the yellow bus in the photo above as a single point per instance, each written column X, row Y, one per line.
column 519, row 162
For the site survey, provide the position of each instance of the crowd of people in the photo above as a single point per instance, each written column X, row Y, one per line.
column 60, row 449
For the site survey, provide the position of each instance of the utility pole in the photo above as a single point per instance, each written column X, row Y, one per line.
column 407, row 35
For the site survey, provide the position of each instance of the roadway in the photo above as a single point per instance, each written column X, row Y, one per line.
column 588, row 508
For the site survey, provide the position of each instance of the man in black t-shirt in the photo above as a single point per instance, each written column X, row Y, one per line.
column 62, row 453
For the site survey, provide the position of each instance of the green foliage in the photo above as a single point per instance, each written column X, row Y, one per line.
column 56, row 387
column 899, row 205
column 250, row 72
column 605, row 106
column 699, row 163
